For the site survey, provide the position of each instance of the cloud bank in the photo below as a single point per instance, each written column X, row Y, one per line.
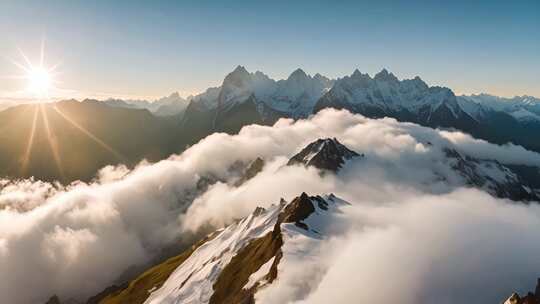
column 74, row 241
column 461, row 247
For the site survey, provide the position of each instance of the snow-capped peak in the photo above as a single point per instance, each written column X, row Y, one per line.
column 298, row 75
column 384, row 75
column 294, row 96
column 522, row 108
column 250, row 251
column 239, row 77
column 326, row 154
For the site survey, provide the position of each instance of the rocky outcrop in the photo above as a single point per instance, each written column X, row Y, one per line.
column 512, row 182
column 325, row 154
column 529, row 298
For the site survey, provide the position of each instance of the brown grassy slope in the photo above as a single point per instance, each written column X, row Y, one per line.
column 136, row 291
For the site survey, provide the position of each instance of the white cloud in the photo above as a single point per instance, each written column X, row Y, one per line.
column 454, row 248
column 86, row 235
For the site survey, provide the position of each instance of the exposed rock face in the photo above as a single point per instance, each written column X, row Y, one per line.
column 229, row 286
column 298, row 210
column 325, row 154
column 499, row 180
column 238, row 261
column 530, row 298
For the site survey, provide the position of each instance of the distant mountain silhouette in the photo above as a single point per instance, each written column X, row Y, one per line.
column 72, row 140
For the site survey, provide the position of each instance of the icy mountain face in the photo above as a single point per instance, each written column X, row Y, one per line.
column 385, row 95
column 522, row 108
column 238, row 86
column 254, row 98
column 298, row 94
column 325, row 154
column 250, row 255
column 294, row 96
column 493, row 177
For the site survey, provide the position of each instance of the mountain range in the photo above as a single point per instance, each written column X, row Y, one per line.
column 171, row 105
column 254, row 98
column 71, row 140
column 246, row 97
column 260, row 99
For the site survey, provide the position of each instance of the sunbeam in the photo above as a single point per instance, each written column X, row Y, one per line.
column 40, row 78
column 30, row 142
column 52, row 141
column 90, row 135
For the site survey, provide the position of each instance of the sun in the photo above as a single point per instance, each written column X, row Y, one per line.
column 40, row 78
column 39, row 81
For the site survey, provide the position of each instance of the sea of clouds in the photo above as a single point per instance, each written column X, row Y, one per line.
column 410, row 236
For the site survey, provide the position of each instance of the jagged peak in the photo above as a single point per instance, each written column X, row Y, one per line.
column 240, row 69
column 529, row 298
column 329, row 141
column 356, row 73
column 417, row 80
column 384, row 75
column 443, row 91
column 240, row 77
column 324, row 153
column 238, row 73
column 359, row 75
column 297, row 210
column 319, row 76
column 298, row 74
column 258, row 211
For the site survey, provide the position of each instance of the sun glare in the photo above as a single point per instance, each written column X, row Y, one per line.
column 40, row 78
column 39, row 81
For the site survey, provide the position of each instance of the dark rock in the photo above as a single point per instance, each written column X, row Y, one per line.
column 325, row 154
column 530, row 298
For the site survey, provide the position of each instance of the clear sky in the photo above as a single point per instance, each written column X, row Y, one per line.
column 152, row 48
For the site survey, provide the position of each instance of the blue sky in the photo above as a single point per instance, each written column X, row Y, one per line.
column 152, row 48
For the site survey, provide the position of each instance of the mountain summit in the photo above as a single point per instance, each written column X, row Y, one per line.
column 325, row 154
column 234, row 263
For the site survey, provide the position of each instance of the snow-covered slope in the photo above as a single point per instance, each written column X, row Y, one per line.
column 256, row 250
column 326, row 154
column 192, row 281
column 386, row 95
column 294, row 96
column 522, row 108
column 493, row 177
